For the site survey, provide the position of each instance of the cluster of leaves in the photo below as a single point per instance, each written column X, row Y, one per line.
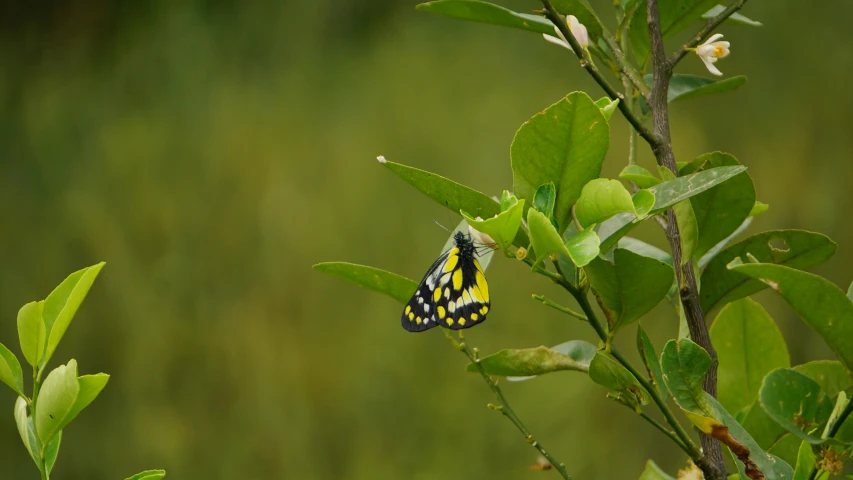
column 62, row 395
column 770, row 416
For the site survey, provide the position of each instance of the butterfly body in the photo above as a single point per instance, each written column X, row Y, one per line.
column 453, row 293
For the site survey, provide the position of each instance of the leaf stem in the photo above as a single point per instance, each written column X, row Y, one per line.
column 558, row 307
column 504, row 406
column 669, row 433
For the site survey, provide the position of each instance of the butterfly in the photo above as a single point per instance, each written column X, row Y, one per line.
column 453, row 293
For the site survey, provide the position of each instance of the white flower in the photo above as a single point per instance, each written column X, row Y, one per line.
column 482, row 237
column 711, row 51
column 578, row 31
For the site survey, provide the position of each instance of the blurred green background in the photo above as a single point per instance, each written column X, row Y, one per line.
column 211, row 152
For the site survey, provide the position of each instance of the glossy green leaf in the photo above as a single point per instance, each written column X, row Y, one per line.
column 675, row 16
column 670, row 192
column 22, row 420
column 639, row 175
column 683, row 86
column 564, row 144
column 57, row 397
column 630, row 287
column 805, row 462
column 650, row 359
column 710, row 254
column 644, row 201
column 653, row 472
column 578, row 350
column 52, row 451
column 395, row 286
column 794, row 248
column 614, row 228
column 483, row 12
column 607, row 106
column 89, row 388
column 684, row 365
column 749, row 345
column 584, row 14
column 545, row 199
column 528, row 362
column 829, row 374
column 583, row 247
column 62, row 303
column 819, row 302
column 567, row 266
column 607, row 372
column 688, row 228
column 722, row 209
column 642, row 248
column 10, row 370
column 735, row 18
column 785, row 448
column 601, row 199
column 543, row 236
column 796, row 403
column 32, row 332
column 766, row 432
column 501, row 228
column 148, row 475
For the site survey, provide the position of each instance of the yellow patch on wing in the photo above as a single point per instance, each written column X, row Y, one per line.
column 452, row 261
column 483, row 286
column 484, row 310
column 411, row 315
column 449, row 321
column 461, row 321
column 467, row 296
column 477, row 264
column 474, row 317
column 457, row 279
column 436, row 295
column 441, row 312
column 408, row 309
column 476, row 295
column 418, row 320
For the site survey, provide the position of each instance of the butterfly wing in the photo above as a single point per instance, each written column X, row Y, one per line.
column 464, row 296
column 420, row 311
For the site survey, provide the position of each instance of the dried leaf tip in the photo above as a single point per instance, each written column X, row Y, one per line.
column 381, row 159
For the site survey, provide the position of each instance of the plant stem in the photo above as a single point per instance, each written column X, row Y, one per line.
column 587, row 64
column 685, row 276
column 669, row 433
column 707, row 29
column 560, row 308
column 848, row 409
column 505, row 408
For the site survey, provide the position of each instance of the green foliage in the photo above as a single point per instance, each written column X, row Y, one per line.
column 796, row 403
column 736, row 18
column 673, row 191
column 684, row 86
column 579, row 351
column 675, row 16
column 502, row 227
column 484, row 12
column 536, row 361
column 749, row 345
column 585, row 15
column 684, row 365
column 607, row 372
column 650, row 359
column 639, row 175
column 653, row 472
column 602, row 198
column 148, row 475
column 793, row 248
column 565, row 144
column 829, row 374
column 10, row 370
column 395, row 286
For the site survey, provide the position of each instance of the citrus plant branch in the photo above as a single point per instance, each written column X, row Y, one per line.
column 587, row 64
column 704, row 32
column 504, row 407
column 685, row 275
column 568, row 311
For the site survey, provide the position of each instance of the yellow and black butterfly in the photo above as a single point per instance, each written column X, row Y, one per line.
column 453, row 293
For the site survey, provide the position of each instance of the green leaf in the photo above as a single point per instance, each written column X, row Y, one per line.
column 639, row 175
column 607, row 372
column 148, row 475
column 688, row 228
column 642, row 248
column 758, row 209
column 501, row 228
column 684, row 365
column 829, row 374
column 630, row 287
column 653, row 472
column 765, row 430
column 794, row 248
column 583, row 247
column 567, row 266
column 735, row 18
column 650, row 359
column 710, row 254
column 528, row 362
column 89, row 388
column 52, row 451
column 62, row 303
column 805, row 462
column 578, row 350
column 819, row 302
column 749, row 345
column 391, row 284
column 796, row 403
column 682, row 86
column 56, row 400
column 32, row 331
column 10, row 370
column 584, row 14
column 614, row 228
column 722, row 209
column 675, row 16
column 671, row 192
column 484, row 12
column 22, row 420
column 564, row 144
column 544, row 237
column 545, row 199
column 601, row 199
column 607, row 106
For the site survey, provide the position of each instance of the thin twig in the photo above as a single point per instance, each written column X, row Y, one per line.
column 504, row 406
column 587, row 64
column 685, row 275
column 706, row 30
column 560, row 308
column 669, row 433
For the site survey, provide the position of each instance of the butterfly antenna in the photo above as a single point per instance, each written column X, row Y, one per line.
column 442, row 226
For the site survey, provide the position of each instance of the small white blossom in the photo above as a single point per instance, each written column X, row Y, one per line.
column 578, row 31
column 480, row 236
column 711, row 51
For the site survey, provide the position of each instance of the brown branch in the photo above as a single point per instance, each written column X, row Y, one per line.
column 715, row 469
column 590, row 67
column 706, row 30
